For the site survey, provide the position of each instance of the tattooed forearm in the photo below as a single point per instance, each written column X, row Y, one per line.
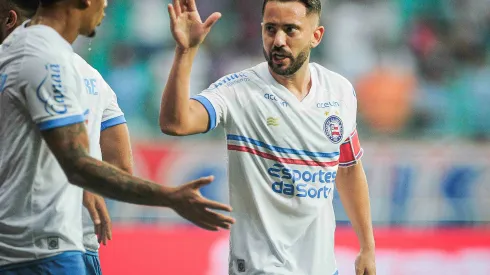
column 109, row 181
column 70, row 146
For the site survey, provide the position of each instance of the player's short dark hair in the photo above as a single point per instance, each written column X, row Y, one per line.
column 26, row 8
column 49, row 2
column 312, row 6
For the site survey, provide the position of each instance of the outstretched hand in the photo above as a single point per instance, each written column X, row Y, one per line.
column 186, row 25
column 188, row 202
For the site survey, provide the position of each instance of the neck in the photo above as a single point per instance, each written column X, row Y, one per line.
column 61, row 18
column 298, row 83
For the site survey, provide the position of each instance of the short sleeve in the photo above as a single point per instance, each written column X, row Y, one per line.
column 49, row 88
column 351, row 150
column 112, row 114
column 215, row 98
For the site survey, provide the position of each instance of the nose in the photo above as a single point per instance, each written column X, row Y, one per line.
column 280, row 39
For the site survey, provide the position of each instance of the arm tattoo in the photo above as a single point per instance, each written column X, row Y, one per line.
column 70, row 144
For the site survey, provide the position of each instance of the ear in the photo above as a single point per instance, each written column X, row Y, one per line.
column 12, row 19
column 85, row 3
column 317, row 36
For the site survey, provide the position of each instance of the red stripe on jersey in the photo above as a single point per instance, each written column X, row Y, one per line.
column 350, row 150
column 279, row 159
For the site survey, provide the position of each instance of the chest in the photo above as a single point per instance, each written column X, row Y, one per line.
column 320, row 122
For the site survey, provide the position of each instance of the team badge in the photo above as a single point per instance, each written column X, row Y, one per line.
column 334, row 128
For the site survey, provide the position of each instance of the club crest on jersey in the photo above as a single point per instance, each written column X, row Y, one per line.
column 333, row 128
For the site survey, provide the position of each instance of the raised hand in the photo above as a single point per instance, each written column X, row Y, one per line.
column 188, row 202
column 185, row 23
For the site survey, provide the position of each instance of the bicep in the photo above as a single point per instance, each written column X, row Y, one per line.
column 115, row 145
column 202, row 116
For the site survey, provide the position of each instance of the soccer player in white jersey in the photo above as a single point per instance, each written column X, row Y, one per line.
column 44, row 147
column 107, row 127
column 291, row 136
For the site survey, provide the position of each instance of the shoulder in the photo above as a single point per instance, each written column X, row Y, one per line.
column 333, row 81
column 85, row 69
column 332, row 77
column 245, row 79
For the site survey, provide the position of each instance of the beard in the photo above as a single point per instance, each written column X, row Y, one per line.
column 295, row 62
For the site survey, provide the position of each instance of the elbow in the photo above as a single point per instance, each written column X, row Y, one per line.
column 172, row 129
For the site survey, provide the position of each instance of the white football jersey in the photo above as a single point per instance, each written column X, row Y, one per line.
column 283, row 156
column 40, row 213
column 103, row 113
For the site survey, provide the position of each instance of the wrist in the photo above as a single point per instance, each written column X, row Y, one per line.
column 368, row 247
column 185, row 51
column 166, row 198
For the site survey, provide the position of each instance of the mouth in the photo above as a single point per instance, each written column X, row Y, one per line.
column 278, row 58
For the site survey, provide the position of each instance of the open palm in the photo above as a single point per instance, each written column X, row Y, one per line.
column 186, row 25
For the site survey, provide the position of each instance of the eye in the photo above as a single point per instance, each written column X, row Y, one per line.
column 290, row 30
column 269, row 28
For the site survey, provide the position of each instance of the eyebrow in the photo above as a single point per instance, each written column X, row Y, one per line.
column 289, row 25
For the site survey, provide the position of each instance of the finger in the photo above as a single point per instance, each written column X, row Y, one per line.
column 171, row 13
column 109, row 231
column 196, row 184
column 103, row 234
column 97, row 231
column 105, row 218
column 212, row 19
column 215, row 219
column 94, row 215
column 216, row 205
column 206, row 226
column 210, row 218
column 191, row 5
column 102, row 237
column 371, row 270
column 177, row 8
column 220, row 220
column 359, row 271
column 183, row 6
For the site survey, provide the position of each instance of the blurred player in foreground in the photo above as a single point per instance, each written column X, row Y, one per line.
column 107, row 127
column 291, row 134
column 44, row 145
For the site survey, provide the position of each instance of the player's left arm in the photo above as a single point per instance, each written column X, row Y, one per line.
column 115, row 146
column 353, row 190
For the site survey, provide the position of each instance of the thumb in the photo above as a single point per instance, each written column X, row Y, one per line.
column 197, row 184
column 212, row 19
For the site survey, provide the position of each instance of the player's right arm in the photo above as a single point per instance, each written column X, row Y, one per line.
column 69, row 145
column 179, row 115
column 45, row 89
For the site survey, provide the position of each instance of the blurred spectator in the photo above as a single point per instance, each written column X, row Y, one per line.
column 130, row 81
column 385, row 99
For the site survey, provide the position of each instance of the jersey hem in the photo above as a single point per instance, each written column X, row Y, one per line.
column 112, row 122
column 209, row 108
column 60, row 122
